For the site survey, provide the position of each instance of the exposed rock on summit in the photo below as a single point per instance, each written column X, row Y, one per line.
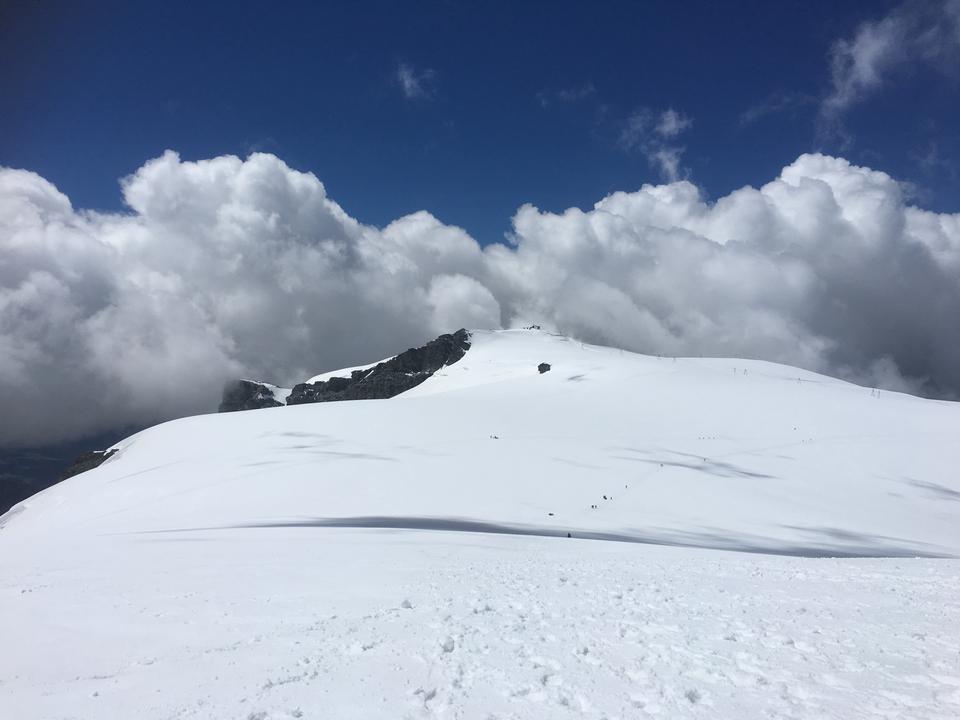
column 389, row 378
column 247, row 395
column 87, row 461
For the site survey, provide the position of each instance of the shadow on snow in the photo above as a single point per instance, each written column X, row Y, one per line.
column 824, row 543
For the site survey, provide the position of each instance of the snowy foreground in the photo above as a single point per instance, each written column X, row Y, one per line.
column 773, row 543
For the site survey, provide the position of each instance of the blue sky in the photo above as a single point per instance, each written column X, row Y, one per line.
column 466, row 109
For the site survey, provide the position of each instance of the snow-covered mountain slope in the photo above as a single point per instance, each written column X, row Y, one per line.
column 409, row 557
column 714, row 453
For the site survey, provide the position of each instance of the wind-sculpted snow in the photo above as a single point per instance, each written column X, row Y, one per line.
column 818, row 544
column 410, row 558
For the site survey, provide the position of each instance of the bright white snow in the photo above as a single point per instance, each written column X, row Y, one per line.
column 409, row 557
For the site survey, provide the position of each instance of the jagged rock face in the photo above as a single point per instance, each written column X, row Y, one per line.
column 87, row 461
column 247, row 395
column 389, row 378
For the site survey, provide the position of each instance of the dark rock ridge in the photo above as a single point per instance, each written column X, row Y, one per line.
column 389, row 378
column 247, row 395
column 26, row 471
column 87, row 461
column 384, row 380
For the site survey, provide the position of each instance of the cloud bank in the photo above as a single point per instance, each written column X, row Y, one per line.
column 225, row 268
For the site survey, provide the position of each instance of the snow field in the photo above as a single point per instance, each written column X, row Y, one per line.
column 340, row 623
column 408, row 558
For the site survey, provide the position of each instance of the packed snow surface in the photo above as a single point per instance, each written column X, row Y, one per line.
column 745, row 540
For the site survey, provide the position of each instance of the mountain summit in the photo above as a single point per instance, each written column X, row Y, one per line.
column 722, row 453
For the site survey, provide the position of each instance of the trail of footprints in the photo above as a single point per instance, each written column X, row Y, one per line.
column 614, row 643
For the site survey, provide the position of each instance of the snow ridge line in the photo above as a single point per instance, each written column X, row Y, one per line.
column 849, row 545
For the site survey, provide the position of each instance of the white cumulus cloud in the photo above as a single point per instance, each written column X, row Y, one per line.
column 227, row 267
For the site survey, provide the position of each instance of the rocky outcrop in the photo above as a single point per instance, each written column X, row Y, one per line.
column 389, row 378
column 247, row 395
column 543, row 367
column 384, row 380
column 87, row 461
